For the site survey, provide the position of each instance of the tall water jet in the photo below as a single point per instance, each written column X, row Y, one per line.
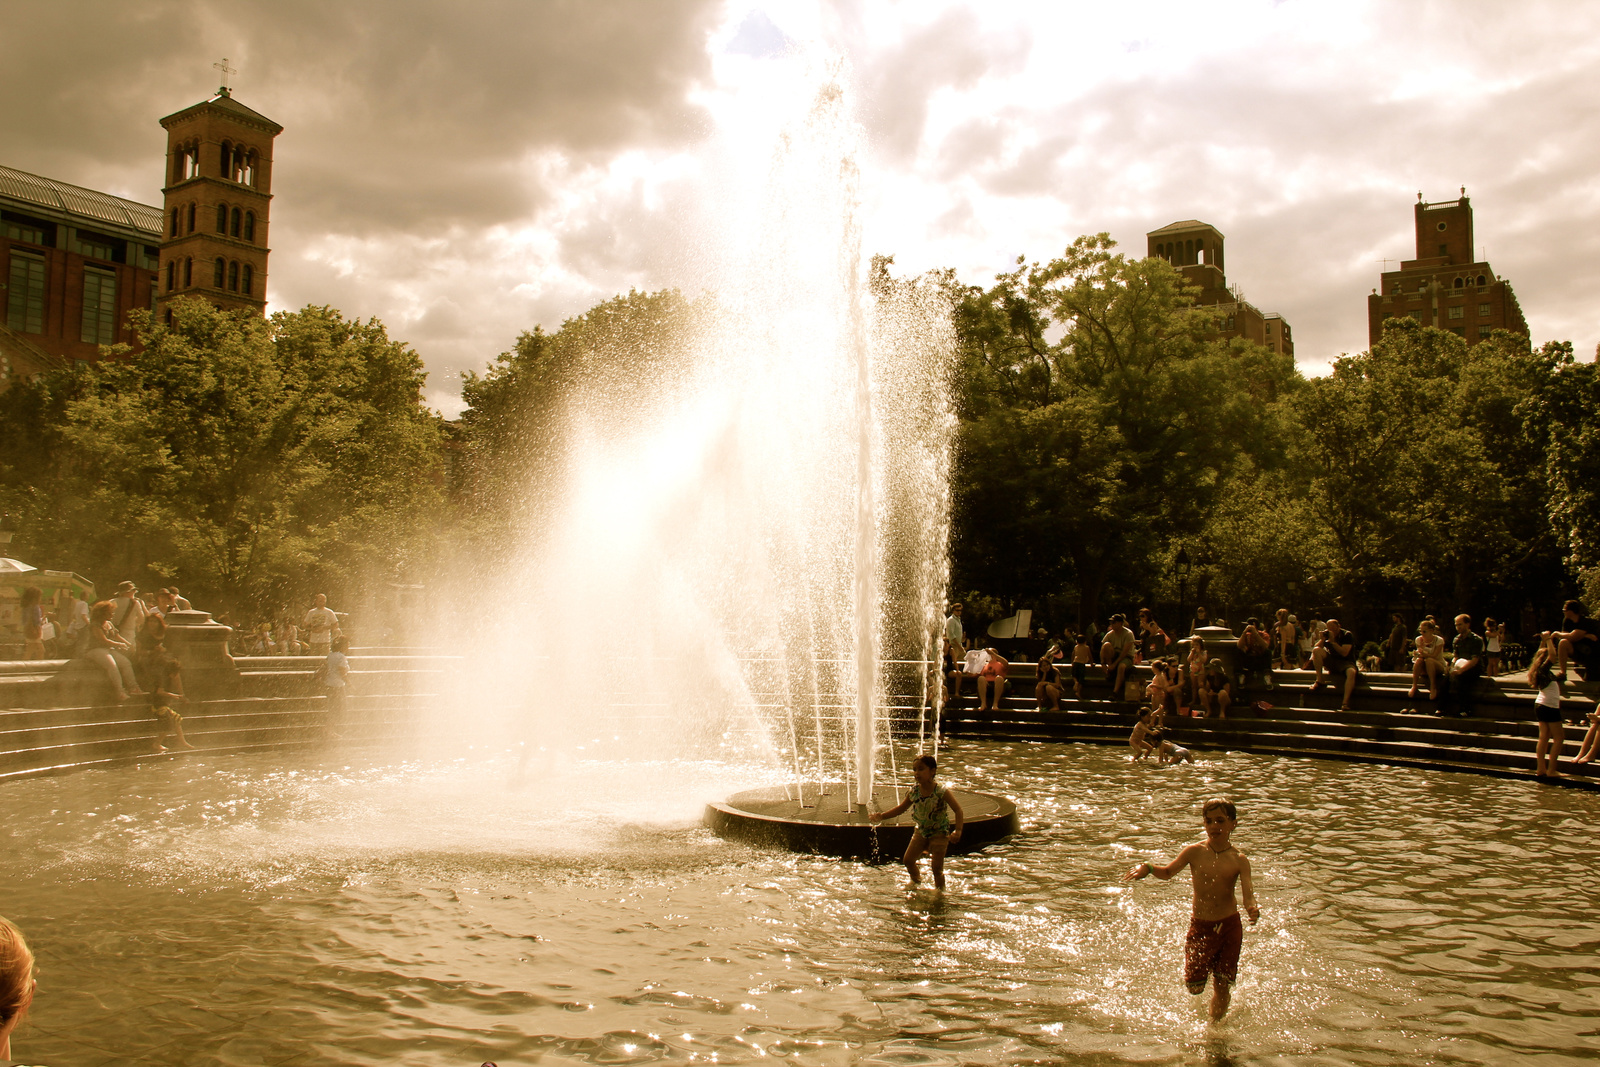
column 754, row 486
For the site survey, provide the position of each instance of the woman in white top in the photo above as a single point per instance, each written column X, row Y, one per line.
column 1427, row 660
column 1552, row 731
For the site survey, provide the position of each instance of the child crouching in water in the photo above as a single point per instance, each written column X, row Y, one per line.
column 1215, row 932
column 932, row 807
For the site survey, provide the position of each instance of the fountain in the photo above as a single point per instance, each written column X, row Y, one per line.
column 758, row 490
column 763, row 527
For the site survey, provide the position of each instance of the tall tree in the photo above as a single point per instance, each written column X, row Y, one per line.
column 1103, row 413
column 251, row 459
column 1420, row 466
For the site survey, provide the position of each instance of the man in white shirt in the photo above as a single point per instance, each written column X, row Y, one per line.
column 128, row 612
column 319, row 626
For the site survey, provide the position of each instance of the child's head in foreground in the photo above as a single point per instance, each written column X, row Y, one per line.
column 16, row 976
column 928, row 762
column 1220, row 804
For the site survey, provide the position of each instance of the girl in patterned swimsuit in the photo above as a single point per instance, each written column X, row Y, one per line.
column 932, row 808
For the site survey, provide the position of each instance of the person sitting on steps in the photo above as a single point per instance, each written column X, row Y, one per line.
column 1117, row 655
column 1580, row 642
column 1591, row 740
column 1336, row 653
column 1047, row 690
column 1216, row 688
column 1427, row 660
column 992, row 681
column 1466, row 667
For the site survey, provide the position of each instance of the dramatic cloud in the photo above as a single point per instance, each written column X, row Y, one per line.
column 1302, row 131
column 466, row 170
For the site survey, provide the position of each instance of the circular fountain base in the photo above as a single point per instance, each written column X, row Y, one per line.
column 828, row 825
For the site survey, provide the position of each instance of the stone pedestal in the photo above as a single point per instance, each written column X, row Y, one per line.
column 1221, row 643
column 200, row 646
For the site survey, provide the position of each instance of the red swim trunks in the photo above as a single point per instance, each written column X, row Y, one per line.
column 1213, row 948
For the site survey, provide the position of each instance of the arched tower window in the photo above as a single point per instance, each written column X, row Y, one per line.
column 219, row 273
column 234, row 227
column 249, row 225
column 188, row 271
column 191, row 219
column 247, row 169
column 222, row 218
column 1482, row 280
column 1200, row 250
column 247, row 282
column 225, row 162
column 233, row 276
column 172, row 274
column 1188, row 252
column 174, row 222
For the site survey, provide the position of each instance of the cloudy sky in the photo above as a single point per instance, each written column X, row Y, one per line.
column 466, row 170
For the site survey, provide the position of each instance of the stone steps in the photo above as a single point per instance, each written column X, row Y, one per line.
column 46, row 740
column 1500, row 746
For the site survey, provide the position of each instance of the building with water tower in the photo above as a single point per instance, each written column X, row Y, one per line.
column 1196, row 249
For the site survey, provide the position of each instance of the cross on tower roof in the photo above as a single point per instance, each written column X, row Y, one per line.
column 226, row 70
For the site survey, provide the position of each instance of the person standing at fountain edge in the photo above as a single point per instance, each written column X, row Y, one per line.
column 956, row 639
column 320, row 623
column 1215, row 933
column 932, row 808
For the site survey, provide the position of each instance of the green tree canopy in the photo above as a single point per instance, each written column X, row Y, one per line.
column 1420, row 468
column 1102, row 415
column 249, row 460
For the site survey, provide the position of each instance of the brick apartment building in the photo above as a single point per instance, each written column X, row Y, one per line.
column 1196, row 249
column 77, row 261
column 1446, row 285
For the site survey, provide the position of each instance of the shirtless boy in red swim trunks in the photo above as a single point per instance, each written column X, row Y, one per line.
column 1215, row 933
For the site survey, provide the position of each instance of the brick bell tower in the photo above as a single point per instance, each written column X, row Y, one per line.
column 217, row 199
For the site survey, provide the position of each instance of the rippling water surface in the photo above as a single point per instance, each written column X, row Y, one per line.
column 243, row 910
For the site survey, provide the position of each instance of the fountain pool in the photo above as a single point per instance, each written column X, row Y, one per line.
column 253, row 910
